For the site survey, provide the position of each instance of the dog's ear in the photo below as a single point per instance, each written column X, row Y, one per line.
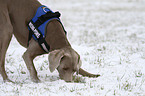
column 54, row 59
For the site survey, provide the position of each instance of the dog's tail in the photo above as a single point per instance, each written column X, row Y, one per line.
column 85, row 73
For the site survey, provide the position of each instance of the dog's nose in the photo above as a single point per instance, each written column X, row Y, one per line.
column 66, row 80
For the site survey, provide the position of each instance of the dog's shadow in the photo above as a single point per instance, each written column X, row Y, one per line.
column 76, row 79
column 51, row 78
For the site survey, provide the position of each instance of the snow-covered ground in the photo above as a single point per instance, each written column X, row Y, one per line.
column 110, row 37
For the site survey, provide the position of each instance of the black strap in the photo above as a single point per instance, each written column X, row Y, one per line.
column 43, row 44
column 46, row 17
column 41, row 40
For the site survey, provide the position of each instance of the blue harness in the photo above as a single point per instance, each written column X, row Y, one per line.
column 37, row 25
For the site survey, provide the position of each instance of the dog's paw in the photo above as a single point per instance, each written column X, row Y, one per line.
column 36, row 80
column 97, row 75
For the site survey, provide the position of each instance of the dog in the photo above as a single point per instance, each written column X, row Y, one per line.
column 14, row 18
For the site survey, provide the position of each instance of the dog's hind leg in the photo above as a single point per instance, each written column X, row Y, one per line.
column 6, row 31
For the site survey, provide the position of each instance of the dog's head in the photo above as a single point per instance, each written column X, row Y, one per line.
column 66, row 61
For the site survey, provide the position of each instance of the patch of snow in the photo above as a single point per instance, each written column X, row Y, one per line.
column 110, row 37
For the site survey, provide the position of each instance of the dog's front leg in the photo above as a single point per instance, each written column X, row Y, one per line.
column 32, row 51
column 30, row 66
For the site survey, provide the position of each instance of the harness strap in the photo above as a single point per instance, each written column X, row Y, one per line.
column 38, row 35
column 45, row 17
column 38, row 24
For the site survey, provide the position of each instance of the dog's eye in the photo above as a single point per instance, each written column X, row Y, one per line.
column 62, row 58
column 65, row 69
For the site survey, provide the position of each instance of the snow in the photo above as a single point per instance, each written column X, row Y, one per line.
column 110, row 37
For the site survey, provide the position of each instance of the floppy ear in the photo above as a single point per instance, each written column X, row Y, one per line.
column 54, row 59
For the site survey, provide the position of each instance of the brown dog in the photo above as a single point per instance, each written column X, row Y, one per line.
column 14, row 17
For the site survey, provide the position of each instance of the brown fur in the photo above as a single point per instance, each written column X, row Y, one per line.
column 14, row 16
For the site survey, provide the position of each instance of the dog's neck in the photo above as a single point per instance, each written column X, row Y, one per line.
column 55, row 36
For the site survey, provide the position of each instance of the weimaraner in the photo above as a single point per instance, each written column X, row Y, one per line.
column 14, row 17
